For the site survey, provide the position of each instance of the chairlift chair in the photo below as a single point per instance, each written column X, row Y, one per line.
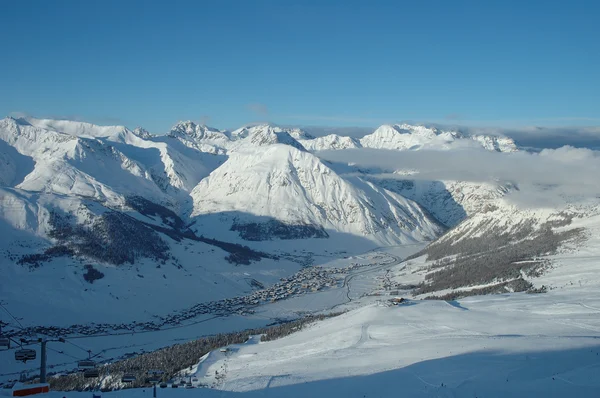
column 86, row 364
column 91, row 373
column 128, row 378
column 25, row 354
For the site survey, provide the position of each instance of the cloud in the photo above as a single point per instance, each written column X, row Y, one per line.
column 258, row 108
column 534, row 137
column 18, row 115
column 204, row 120
column 545, row 177
column 556, row 137
column 453, row 116
column 99, row 120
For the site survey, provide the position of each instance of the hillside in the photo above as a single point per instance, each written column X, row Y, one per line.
column 293, row 187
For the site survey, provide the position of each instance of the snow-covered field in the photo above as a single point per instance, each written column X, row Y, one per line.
column 483, row 346
column 516, row 345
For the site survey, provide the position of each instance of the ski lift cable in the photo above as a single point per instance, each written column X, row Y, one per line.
column 11, row 315
column 78, row 346
column 62, row 353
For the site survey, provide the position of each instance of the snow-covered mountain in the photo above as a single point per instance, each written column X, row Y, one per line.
column 331, row 141
column 262, row 180
column 292, row 186
column 299, row 134
column 450, row 202
column 264, row 134
column 410, row 137
column 102, row 163
column 200, row 137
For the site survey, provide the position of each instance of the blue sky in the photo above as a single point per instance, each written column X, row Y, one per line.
column 346, row 63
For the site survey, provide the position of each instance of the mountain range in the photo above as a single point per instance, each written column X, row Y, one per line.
column 155, row 213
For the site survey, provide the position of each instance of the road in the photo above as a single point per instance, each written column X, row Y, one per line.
column 396, row 260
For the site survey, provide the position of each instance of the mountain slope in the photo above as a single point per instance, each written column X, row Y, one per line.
column 292, row 186
column 102, row 163
column 450, row 202
column 331, row 141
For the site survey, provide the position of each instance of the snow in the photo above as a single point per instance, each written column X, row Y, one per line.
column 331, row 141
column 263, row 135
column 297, row 188
column 473, row 345
column 514, row 345
column 505, row 345
column 410, row 137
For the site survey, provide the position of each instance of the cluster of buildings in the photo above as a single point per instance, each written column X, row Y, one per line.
column 307, row 280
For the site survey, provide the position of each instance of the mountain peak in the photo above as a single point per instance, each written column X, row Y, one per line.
column 414, row 137
column 142, row 133
column 266, row 134
column 271, row 135
column 195, row 131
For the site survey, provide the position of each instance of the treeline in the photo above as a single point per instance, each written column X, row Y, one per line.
column 174, row 359
column 517, row 285
column 278, row 230
column 148, row 209
column 112, row 237
column 496, row 257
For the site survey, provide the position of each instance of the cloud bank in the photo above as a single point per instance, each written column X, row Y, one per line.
column 551, row 174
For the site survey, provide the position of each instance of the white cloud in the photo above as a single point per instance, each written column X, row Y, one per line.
column 258, row 108
column 551, row 174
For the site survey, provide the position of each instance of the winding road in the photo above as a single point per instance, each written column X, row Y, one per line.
column 396, row 260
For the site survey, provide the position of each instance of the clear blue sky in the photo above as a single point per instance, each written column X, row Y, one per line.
column 302, row 62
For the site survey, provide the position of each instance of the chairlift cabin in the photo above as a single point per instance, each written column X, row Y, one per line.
column 25, row 354
column 86, row 364
column 91, row 373
column 4, row 342
column 128, row 378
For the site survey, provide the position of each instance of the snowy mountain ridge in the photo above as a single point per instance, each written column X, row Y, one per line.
column 410, row 137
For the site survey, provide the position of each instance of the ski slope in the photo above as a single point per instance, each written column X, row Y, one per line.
column 497, row 346
column 515, row 345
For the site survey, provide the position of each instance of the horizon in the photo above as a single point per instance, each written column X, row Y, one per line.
column 498, row 64
column 526, row 137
